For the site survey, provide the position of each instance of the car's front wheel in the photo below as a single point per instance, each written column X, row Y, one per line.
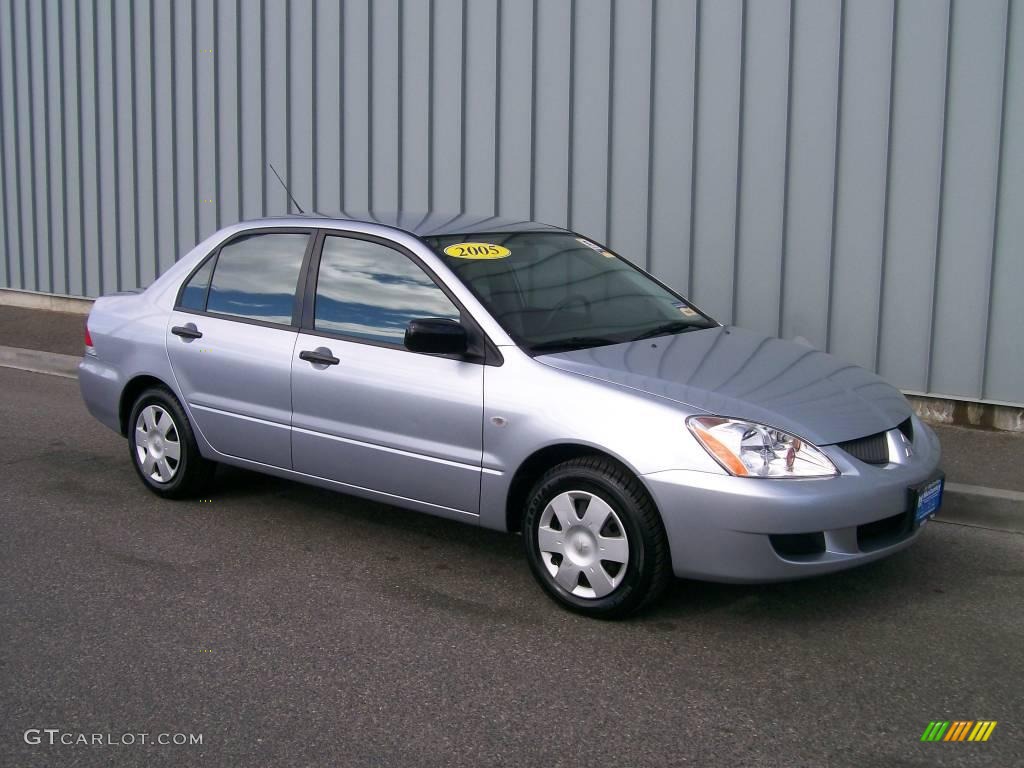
column 163, row 448
column 594, row 539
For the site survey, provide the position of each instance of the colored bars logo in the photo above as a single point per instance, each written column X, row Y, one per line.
column 958, row 730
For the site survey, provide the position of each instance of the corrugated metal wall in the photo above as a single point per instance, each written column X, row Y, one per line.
column 850, row 172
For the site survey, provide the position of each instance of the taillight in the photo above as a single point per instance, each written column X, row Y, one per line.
column 89, row 348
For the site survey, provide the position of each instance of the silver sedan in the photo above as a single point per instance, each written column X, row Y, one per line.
column 517, row 376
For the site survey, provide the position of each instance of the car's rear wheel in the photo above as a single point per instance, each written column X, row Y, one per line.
column 594, row 539
column 163, row 447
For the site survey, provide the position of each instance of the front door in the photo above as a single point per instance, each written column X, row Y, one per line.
column 366, row 411
column 230, row 341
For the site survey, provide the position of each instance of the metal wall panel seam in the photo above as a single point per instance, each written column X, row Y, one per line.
column 175, row 228
column 32, row 131
column 239, row 158
column 570, row 160
column 462, row 110
column 430, row 106
column 215, row 48
column 879, row 317
column 370, row 105
column 101, row 275
column 3, row 180
column 693, row 146
column 609, row 168
column 739, row 163
column 152, row 137
column 44, row 26
column 288, row 106
column 81, row 167
column 194, row 101
column 996, row 207
column 22, row 212
column 13, row 97
column 830, row 285
column 400, row 113
column 136, row 245
column 263, row 108
column 313, row 181
column 942, row 197
column 497, row 104
column 116, row 154
column 341, row 109
column 63, row 151
column 785, row 168
column 652, row 118
column 533, row 113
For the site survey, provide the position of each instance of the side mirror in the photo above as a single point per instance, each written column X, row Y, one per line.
column 436, row 336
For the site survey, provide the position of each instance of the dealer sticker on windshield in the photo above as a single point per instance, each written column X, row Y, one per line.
column 477, row 251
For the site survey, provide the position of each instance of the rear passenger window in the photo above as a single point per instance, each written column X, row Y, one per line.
column 255, row 277
column 371, row 291
column 193, row 296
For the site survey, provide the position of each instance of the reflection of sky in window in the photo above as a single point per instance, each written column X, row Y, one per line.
column 370, row 290
column 255, row 277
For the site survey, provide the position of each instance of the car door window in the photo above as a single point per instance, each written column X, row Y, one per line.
column 255, row 277
column 370, row 291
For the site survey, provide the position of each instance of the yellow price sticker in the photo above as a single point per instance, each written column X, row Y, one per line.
column 477, row 251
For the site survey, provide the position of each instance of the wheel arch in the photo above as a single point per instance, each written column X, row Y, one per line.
column 130, row 393
column 539, row 462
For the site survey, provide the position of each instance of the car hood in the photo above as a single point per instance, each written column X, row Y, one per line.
column 730, row 371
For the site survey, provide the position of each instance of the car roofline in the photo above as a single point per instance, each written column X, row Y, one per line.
column 417, row 224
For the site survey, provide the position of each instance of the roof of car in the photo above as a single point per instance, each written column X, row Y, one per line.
column 436, row 223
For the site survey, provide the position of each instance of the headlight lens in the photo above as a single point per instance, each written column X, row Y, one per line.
column 747, row 449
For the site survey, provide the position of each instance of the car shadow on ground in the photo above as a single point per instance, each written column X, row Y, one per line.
column 859, row 590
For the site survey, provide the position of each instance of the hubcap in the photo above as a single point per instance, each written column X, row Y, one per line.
column 583, row 544
column 157, row 445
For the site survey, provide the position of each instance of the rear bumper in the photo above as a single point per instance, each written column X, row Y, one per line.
column 723, row 528
column 101, row 387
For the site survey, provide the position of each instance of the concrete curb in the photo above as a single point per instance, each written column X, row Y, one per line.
column 991, row 508
column 35, row 361
column 32, row 300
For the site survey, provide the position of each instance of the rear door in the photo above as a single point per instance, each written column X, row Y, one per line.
column 230, row 341
column 380, row 417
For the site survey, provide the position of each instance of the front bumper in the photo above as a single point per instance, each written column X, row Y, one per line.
column 732, row 529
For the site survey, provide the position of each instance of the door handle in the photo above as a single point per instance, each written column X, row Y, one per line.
column 318, row 357
column 187, row 331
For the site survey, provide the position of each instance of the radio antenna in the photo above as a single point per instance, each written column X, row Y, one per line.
column 287, row 191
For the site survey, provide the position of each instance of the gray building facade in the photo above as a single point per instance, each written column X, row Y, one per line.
column 846, row 171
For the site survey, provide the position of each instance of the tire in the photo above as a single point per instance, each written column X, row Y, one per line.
column 605, row 511
column 157, row 430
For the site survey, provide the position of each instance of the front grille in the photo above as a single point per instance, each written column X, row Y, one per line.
column 873, row 449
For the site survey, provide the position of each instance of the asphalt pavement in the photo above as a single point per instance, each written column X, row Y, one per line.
column 292, row 626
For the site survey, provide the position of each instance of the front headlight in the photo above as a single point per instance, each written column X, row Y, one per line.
column 746, row 449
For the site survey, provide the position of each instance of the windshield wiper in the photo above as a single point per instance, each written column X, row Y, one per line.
column 665, row 329
column 573, row 342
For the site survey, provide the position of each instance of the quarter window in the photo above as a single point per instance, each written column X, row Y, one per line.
column 193, row 296
column 255, row 277
column 371, row 291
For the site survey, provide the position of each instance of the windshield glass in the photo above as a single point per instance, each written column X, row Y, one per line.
column 554, row 291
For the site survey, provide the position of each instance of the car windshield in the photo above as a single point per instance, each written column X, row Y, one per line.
column 556, row 291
